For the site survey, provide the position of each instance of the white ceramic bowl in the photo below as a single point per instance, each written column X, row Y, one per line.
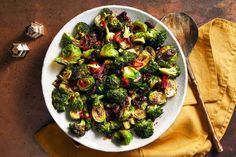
column 91, row 139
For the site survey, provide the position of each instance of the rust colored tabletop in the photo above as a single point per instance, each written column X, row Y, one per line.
column 22, row 110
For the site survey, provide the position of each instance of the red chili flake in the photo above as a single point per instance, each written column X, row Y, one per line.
column 165, row 81
column 103, row 24
column 125, row 81
column 118, row 37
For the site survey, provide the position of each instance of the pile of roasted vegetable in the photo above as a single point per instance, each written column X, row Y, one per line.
column 117, row 76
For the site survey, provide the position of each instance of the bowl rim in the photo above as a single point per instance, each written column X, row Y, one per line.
column 141, row 12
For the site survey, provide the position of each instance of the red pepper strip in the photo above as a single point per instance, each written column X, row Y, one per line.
column 135, row 64
column 165, row 81
column 125, row 81
column 97, row 70
column 83, row 115
column 117, row 37
column 93, row 62
column 103, row 24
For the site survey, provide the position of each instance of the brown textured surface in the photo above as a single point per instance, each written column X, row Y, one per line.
column 22, row 108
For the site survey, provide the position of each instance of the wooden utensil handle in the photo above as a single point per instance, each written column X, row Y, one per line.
column 197, row 94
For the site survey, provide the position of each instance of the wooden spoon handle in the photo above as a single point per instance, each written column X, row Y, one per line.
column 197, row 94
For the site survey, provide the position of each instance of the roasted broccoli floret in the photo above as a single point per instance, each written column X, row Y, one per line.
column 68, row 39
column 124, row 59
column 78, row 128
column 81, row 71
column 75, row 102
column 59, row 100
column 112, row 81
column 152, row 67
column 86, row 83
column 172, row 72
column 154, row 111
column 114, row 24
column 81, row 29
column 108, row 50
column 69, row 55
column 144, row 128
column 167, row 55
column 156, row 37
column 108, row 128
column 116, row 95
column 122, row 137
column 106, row 12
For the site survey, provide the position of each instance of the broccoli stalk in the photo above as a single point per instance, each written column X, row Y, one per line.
column 172, row 72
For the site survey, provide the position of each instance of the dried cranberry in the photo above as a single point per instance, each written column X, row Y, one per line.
column 123, row 17
column 149, row 24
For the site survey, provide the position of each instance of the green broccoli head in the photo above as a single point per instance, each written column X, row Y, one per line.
column 68, row 39
column 106, row 12
column 172, row 72
column 124, row 59
column 144, row 128
column 108, row 128
column 112, row 81
column 152, row 67
column 81, row 29
column 81, row 71
column 59, row 100
column 116, row 95
column 78, row 129
column 156, row 37
column 154, row 111
column 122, row 137
column 114, row 24
column 75, row 102
column 69, row 55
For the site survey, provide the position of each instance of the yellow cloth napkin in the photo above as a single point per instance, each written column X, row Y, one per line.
column 213, row 61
